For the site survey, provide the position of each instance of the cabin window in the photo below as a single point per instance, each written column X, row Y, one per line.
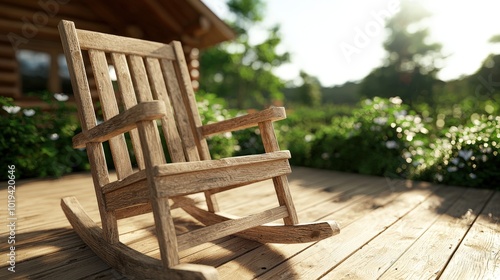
column 43, row 71
column 35, row 70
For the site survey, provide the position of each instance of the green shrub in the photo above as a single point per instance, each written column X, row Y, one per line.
column 467, row 155
column 384, row 137
column 213, row 109
column 38, row 142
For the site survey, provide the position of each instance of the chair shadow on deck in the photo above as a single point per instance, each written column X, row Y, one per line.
column 60, row 253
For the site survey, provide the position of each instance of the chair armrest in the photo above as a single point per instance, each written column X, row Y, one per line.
column 246, row 121
column 121, row 123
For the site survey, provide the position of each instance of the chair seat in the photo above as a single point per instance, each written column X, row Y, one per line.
column 216, row 175
column 184, row 178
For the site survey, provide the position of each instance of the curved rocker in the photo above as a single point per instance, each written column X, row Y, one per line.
column 124, row 259
column 270, row 233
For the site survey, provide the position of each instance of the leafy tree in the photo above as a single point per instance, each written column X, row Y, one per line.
column 239, row 71
column 409, row 70
column 309, row 93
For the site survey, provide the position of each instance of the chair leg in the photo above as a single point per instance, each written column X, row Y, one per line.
column 285, row 198
column 280, row 183
column 109, row 227
column 212, row 204
column 165, row 231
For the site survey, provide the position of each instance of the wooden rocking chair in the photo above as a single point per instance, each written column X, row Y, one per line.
column 154, row 90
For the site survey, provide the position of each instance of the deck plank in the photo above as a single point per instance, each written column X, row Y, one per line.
column 418, row 228
column 430, row 253
column 379, row 254
column 478, row 256
column 317, row 259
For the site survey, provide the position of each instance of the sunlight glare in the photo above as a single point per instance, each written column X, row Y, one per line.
column 464, row 28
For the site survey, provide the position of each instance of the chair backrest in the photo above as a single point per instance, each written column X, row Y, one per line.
column 144, row 71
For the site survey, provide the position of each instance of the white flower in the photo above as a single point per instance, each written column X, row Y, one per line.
column 465, row 154
column 455, row 161
column 228, row 135
column 61, row 96
column 484, row 158
column 380, row 120
column 400, row 114
column 309, row 137
column 28, row 112
column 418, row 143
column 396, row 100
column 452, row 169
column 391, row 144
column 439, row 177
column 11, row 109
column 472, row 176
column 54, row 136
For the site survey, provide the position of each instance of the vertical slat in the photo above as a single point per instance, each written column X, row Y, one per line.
column 182, row 118
column 281, row 182
column 184, row 80
column 88, row 120
column 169, row 126
column 142, row 88
column 107, row 97
column 129, row 100
column 140, row 78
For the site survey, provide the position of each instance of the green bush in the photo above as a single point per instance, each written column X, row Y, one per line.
column 38, row 142
column 467, row 155
column 378, row 137
column 213, row 109
column 384, row 137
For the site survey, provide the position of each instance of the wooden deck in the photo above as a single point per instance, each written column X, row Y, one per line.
column 390, row 229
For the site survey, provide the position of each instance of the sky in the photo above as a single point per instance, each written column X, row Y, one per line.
column 341, row 40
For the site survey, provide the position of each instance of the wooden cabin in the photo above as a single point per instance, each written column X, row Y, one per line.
column 31, row 56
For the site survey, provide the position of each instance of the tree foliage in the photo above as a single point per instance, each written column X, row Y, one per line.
column 309, row 92
column 239, row 71
column 410, row 67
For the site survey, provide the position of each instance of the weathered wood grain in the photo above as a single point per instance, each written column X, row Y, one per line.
column 47, row 243
column 478, row 255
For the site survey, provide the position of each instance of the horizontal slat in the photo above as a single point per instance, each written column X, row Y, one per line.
column 18, row 27
column 133, row 211
column 133, row 178
column 185, row 167
column 121, row 123
column 6, row 50
column 130, row 46
column 8, row 63
column 200, row 236
column 9, row 91
column 128, row 196
column 246, row 121
column 197, row 181
column 9, row 77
